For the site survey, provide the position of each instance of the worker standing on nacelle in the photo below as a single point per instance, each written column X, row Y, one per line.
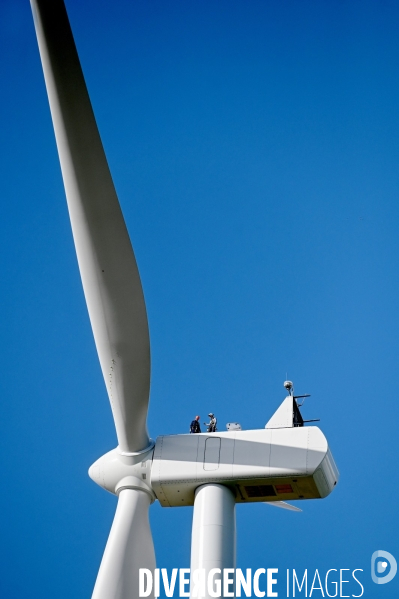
column 195, row 425
column 211, row 424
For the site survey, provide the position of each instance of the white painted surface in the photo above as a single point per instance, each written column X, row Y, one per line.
column 129, row 548
column 283, row 417
column 107, row 265
column 224, row 470
column 233, row 426
column 212, row 453
column 252, row 454
column 289, row 450
column 213, row 541
column 326, row 475
column 114, row 471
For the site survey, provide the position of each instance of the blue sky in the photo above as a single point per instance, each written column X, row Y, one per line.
column 255, row 149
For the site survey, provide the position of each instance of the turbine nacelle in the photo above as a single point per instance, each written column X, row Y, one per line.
column 256, row 465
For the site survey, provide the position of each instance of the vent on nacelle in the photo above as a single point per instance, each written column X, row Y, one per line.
column 260, row 491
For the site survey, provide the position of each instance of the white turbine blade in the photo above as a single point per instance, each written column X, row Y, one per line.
column 110, row 277
column 283, row 505
column 129, row 548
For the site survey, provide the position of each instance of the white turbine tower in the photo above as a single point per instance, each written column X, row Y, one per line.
column 213, row 472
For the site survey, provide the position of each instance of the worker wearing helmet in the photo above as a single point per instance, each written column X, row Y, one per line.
column 211, row 424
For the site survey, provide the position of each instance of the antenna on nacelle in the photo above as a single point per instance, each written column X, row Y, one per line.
column 288, row 414
column 297, row 416
column 289, row 385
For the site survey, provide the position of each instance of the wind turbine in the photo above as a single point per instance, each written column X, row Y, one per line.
column 213, row 472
